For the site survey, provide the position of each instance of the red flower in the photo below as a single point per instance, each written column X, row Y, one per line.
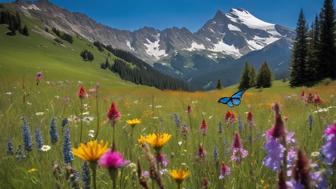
column 249, row 117
column 204, row 127
column 302, row 94
column 113, row 114
column 189, row 109
column 201, row 152
column 317, row 99
column 278, row 129
column 230, row 117
column 82, row 92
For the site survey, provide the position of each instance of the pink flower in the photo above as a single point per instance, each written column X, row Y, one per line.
column 82, row 92
column 238, row 152
column 278, row 130
column 113, row 114
column 38, row 77
column 224, row 170
column 204, row 127
column 113, row 160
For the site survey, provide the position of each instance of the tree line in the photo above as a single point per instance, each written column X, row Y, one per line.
column 314, row 50
column 250, row 78
column 64, row 36
column 14, row 23
column 131, row 68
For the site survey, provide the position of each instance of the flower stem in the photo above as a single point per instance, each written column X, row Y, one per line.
column 81, row 121
column 93, row 166
column 97, row 111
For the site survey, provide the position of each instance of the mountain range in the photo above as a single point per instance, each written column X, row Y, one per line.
column 217, row 50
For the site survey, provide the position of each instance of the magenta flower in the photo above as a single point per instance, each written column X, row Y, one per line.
column 113, row 160
column 113, row 114
column 161, row 159
column 238, row 152
column 224, row 171
column 201, row 152
column 330, row 132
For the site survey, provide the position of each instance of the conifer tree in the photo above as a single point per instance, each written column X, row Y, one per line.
column 264, row 78
column 300, row 52
column 245, row 77
column 25, row 31
column 252, row 76
column 327, row 50
column 313, row 53
column 219, row 85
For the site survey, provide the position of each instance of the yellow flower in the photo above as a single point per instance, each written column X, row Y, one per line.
column 179, row 174
column 133, row 122
column 90, row 151
column 156, row 140
column 32, row 170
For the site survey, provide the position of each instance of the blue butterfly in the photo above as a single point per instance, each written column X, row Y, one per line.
column 234, row 100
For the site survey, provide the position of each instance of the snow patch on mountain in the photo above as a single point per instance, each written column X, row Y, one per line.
column 31, row 7
column 128, row 43
column 195, row 46
column 153, row 48
column 224, row 48
column 241, row 16
column 233, row 28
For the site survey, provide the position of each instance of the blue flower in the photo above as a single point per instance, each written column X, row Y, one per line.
column 215, row 154
column 240, row 124
column 177, row 120
column 10, row 147
column 67, row 153
column 27, row 140
column 53, row 131
column 38, row 139
column 86, row 175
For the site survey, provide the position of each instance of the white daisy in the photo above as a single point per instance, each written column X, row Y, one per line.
column 45, row 148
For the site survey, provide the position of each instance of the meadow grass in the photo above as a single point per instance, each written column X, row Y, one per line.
column 155, row 108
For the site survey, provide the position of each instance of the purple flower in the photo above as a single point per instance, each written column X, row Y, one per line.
column 113, row 160
column 293, row 184
column 330, row 132
column 329, row 151
column 161, row 158
column 319, row 181
column 275, row 154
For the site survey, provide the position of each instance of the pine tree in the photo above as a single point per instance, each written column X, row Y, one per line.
column 313, row 53
column 252, row 76
column 245, row 78
column 300, row 52
column 264, row 78
column 327, row 50
column 219, row 85
column 25, row 31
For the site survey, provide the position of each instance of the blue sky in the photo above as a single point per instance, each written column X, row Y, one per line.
column 192, row 14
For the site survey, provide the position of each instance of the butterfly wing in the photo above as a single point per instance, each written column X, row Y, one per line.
column 236, row 101
column 230, row 103
column 238, row 95
column 224, row 100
